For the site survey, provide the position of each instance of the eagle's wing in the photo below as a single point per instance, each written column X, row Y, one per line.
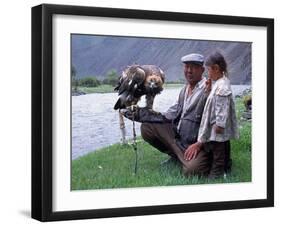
column 131, row 79
column 162, row 75
column 129, row 87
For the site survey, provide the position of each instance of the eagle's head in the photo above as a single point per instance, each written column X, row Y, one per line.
column 154, row 83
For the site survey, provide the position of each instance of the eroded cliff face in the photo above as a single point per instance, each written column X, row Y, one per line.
column 96, row 55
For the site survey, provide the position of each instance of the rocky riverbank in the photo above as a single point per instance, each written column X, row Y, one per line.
column 77, row 93
column 246, row 96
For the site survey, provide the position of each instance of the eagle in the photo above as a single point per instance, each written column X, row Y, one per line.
column 137, row 81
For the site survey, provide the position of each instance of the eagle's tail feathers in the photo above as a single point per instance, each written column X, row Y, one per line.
column 118, row 104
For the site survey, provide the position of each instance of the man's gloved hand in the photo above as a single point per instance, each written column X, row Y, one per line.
column 131, row 113
column 143, row 115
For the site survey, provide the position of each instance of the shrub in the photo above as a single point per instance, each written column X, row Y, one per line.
column 74, row 81
column 89, row 82
column 111, row 78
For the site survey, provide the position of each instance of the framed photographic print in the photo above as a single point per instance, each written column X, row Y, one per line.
column 145, row 112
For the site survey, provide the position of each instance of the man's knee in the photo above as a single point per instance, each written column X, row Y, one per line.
column 192, row 168
column 189, row 170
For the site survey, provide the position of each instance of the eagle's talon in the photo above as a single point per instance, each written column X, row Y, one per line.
column 133, row 107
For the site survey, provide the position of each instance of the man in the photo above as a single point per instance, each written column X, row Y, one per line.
column 174, row 131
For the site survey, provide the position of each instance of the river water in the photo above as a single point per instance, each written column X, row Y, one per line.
column 95, row 124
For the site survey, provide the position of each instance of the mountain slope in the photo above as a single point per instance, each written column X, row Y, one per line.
column 97, row 55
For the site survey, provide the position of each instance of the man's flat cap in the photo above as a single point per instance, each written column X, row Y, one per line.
column 194, row 58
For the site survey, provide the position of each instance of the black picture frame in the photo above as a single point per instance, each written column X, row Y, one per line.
column 42, row 107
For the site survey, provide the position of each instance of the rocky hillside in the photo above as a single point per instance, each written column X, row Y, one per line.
column 96, row 55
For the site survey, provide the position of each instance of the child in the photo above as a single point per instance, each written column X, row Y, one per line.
column 218, row 123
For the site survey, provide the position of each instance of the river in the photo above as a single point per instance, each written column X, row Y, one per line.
column 95, row 124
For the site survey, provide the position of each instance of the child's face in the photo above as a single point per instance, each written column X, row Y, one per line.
column 214, row 72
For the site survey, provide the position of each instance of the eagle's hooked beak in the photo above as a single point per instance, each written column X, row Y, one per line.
column 152, row 84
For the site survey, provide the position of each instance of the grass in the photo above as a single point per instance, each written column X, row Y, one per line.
column 98, row 89
column 113, row 166
column 110, row 88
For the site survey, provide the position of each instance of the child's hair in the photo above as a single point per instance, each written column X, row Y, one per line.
column 217, row 58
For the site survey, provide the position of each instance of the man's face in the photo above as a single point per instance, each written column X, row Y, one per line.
column 193, row 73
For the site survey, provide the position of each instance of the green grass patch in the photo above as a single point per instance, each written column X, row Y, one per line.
column 113, row 166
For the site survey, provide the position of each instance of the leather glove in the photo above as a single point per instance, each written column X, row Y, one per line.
column 144, row 115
